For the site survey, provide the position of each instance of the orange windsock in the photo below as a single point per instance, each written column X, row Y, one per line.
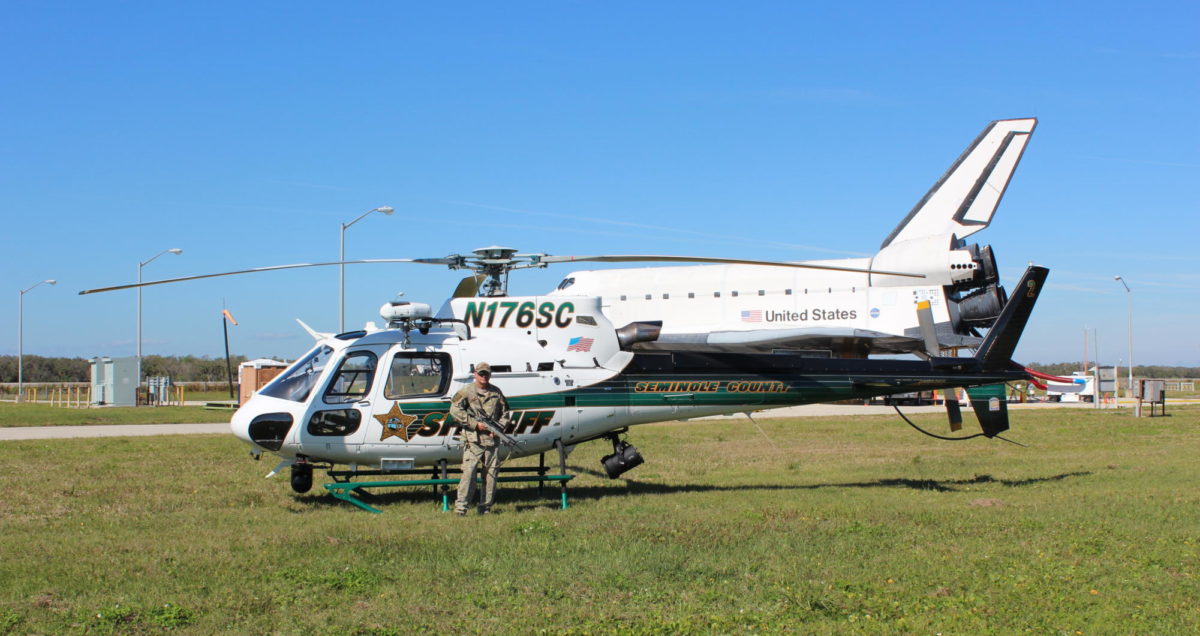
column 229, row 316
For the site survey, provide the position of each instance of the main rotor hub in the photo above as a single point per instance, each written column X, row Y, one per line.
column 495, row 253
column 494, row 262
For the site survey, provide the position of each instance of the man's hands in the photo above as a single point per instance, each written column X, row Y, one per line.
column 496, row 431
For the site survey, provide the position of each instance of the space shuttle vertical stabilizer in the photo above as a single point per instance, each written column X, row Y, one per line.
column 963, row 200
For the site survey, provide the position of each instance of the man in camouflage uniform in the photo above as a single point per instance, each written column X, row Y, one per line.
column 480, row 450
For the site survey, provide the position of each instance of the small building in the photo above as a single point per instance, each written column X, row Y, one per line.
column 255, row 374
column 114, row 381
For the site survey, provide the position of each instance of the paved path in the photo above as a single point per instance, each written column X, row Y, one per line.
column 119, row 430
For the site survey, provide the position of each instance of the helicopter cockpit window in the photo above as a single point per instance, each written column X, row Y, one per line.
column 415, row 375
column 352, row 381
column 298, row 380
column 336, row 423
column 566, row 282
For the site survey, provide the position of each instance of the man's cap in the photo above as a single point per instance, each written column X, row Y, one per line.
column 483, row 367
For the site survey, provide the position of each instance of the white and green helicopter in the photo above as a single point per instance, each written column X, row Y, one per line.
column 378, row 398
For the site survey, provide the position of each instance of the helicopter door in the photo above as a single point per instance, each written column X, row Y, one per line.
column 409, row 406
column 336, row 425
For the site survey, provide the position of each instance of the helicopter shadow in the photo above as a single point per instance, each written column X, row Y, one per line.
column 634, row 487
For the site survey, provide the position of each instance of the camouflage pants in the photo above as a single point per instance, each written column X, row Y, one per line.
column 478, row 459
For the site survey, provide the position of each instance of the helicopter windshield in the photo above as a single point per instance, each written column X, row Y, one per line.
column 297, row 382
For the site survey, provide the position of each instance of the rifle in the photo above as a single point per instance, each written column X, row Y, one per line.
column 494, row 427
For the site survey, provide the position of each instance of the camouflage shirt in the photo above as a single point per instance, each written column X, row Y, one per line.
column 471, row 400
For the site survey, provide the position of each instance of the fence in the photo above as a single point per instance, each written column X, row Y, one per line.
column 79, row 394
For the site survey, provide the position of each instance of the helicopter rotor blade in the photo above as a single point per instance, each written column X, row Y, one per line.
column 953, row 413
column 469, row 286
column 652, row 258
column 445, row 260
column 496, row 264
column 429, row 261
column 932, row 349
column 928, row 330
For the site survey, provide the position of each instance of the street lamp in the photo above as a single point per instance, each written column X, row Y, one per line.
column 342, row 267
column 173, row 250
column 21, row 336
column 1129, row 304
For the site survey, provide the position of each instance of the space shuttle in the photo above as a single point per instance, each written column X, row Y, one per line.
column 840, row 314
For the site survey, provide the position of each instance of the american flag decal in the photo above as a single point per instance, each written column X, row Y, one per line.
column 580, row 344
column 753, row 315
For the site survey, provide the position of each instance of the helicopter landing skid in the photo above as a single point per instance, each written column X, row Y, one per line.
column 350, row 491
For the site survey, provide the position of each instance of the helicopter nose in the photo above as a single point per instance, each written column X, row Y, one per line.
column 239, row 424
column 262, row 430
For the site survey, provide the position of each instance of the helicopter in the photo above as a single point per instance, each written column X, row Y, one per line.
column 379, row 397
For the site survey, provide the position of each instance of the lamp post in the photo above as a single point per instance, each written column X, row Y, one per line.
column 21, row 336
column 342, row 267
column 173, row 250
column 1129, row 306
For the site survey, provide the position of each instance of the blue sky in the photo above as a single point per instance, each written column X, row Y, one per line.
column 244, row 133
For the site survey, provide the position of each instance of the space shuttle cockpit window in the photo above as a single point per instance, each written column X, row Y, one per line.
column 417, row 375
column 298, row 380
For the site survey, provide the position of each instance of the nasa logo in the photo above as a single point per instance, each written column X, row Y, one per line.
column 874, row 312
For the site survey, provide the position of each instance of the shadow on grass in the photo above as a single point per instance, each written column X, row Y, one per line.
column 525, row 498
column 936, row 485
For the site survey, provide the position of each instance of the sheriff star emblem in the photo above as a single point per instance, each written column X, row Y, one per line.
column 396, row 423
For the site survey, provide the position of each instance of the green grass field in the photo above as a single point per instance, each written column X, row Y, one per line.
column 43, row 415
column 856, row 526
column 208, row 396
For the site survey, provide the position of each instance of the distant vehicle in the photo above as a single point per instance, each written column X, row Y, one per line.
column 1082, row 387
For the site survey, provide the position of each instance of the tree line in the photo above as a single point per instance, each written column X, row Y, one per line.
column 205, row 369
column 178, row 368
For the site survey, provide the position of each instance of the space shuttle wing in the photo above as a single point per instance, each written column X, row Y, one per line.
column 963, row 200
column 821, row 341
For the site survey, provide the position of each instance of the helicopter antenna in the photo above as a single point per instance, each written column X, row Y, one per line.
column 760, row 429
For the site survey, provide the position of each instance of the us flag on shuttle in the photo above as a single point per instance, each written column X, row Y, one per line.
column 753, row 315
column 580, row 344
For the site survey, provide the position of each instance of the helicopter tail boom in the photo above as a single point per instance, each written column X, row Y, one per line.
column 996, row 351
column 995, row 354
